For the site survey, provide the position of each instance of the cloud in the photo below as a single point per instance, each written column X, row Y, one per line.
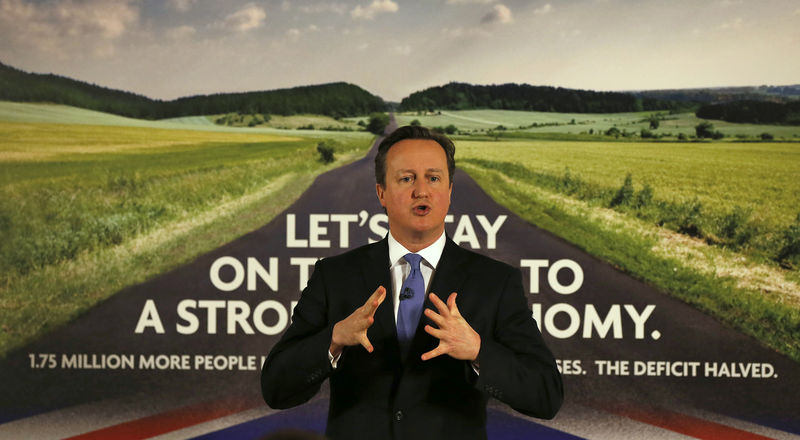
column 317, row 8
column 181, row 32
column 735, row 24
column 499, row 14
column 245, row 19
column 543, row 10
column 460, row 32
column 402, row 50
column 67, row 25
column 374, row 8
column 294, row 34
column 470, row 2
column 181, row 5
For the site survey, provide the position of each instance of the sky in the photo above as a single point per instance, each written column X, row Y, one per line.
column 392, row 48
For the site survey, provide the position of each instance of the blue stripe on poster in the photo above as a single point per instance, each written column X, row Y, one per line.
column 311, row 417
column 503, row 426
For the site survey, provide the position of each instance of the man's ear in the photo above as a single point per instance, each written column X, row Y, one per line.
column 379, row 191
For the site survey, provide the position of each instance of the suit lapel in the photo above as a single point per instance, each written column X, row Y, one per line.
column 375, row 269
column 448, row 278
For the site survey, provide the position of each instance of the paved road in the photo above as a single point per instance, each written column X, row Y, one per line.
column 70, row 401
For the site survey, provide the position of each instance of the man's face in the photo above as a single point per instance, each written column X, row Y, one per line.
column 417, row 191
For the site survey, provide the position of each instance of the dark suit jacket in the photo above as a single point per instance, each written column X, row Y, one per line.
column 379, row 395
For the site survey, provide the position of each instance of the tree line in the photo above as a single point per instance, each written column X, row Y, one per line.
column 338, row 99
column 755, row 112
column 462, row 96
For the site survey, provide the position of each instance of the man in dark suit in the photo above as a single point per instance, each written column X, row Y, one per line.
column 396, row 371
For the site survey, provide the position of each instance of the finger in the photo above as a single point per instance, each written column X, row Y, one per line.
column 375, row 300
column 433, row 353
column 451, row 304
column 435, row 332
column 442, row 307
column 365, row 343
column 435, row 317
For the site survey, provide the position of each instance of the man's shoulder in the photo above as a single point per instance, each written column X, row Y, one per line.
column 367, row 251
column 485, row 263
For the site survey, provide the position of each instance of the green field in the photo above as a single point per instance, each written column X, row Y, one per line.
column 760, row 177
column 477, row 121
column 293, row 122
column 675, row 238
column 92, row 202
column 86, row 210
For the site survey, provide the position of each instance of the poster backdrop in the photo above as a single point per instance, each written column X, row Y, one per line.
column 180, row 355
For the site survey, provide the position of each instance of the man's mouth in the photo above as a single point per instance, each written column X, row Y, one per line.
column 422, row 209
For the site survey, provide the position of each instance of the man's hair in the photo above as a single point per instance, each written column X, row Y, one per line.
column 413, row 132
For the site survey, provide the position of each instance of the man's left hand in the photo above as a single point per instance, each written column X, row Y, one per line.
column 456, row 338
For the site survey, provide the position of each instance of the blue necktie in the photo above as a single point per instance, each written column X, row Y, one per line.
column 412, row 297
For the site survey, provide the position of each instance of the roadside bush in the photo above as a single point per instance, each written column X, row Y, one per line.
column 377, row 123
column 624, row 195
column 326, row 152
column 767, row 137
column 735, row 230
column 415, row 122
column 644, row 197
column 789, row 255
column 450, row 129
column 691, row 219
column 646, row 134
column 682, row 136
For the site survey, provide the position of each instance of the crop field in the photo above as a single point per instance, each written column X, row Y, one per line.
column 293, row 122
column 760, row 177
column 718, row 226
column 576, row 123
column 88, row 209
column 63, row 114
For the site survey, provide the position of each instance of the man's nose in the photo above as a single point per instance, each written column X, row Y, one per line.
column 420, row 188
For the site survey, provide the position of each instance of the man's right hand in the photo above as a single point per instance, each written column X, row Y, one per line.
column 353, row 329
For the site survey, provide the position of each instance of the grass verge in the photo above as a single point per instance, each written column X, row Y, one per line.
column 86, row 211
column 653, row 255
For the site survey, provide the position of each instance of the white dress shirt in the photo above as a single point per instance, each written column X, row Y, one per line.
column 400, row 268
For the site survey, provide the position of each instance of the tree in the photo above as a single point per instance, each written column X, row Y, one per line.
column 377, row 123
column 415, row 122
column 325, row 152
column 451, row 129
column 654, row 122
column 704, row 130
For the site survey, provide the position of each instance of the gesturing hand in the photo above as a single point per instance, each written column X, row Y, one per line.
column 456, row 337
column 353, row 329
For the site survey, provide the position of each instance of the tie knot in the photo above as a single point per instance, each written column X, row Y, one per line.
column 413, row 260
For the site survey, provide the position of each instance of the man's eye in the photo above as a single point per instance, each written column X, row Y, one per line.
column 405, row 179
column 435, row 178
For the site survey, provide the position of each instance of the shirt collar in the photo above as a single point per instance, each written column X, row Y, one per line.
column 430, row 254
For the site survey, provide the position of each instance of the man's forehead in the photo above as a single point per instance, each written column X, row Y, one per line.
column 409, row 149
column 413, row 170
